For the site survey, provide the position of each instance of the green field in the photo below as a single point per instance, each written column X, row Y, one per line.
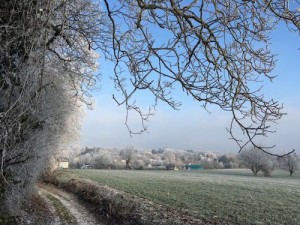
column 233, row 195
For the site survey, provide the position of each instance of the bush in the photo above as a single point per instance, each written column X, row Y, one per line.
column 170, row 166
column 102, row 162
column 138, row 164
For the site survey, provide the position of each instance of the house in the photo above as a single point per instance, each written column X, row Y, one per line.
column 157, row 165
column 86, row 166
column 63, row 163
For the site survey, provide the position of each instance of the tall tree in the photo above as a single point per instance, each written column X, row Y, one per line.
column 128, row 155
column 47, row 65
column 290, row 163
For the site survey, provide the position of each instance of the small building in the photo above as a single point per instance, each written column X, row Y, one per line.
column 157, row 165
column 193, row 167
column 63, row 163
column 86, row 166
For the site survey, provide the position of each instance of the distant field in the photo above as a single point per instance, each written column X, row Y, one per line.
column 234, row 195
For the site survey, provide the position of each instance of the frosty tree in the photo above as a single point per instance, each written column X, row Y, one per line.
column 47, row 65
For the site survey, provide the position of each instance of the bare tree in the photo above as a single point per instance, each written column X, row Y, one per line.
column 216, row 51
column 289, row 163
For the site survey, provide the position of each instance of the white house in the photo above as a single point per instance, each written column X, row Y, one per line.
column 63, row 163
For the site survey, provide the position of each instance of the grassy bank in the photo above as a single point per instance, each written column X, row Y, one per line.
column 121, row 208
column 233, row 195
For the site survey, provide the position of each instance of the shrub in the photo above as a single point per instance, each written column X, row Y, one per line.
column 170, row 166
column 257, row 160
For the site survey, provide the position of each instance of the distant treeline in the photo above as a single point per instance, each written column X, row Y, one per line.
column 131, row 158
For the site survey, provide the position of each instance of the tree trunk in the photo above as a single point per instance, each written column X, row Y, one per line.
column 255, row 171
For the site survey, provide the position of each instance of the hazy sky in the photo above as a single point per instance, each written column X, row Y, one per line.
column 192, row 127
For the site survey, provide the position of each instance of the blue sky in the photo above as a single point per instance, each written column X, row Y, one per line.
column 192, row 127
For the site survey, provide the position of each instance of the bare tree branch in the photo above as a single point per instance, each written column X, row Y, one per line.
column 217, row 51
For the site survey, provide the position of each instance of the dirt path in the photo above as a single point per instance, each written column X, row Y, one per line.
column 66, row 207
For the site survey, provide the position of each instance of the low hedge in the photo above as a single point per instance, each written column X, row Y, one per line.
column 117, row 206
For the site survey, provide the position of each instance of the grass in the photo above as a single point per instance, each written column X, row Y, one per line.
column 233, row 195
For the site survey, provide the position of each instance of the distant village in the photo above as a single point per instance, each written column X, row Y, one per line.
column 140, row 159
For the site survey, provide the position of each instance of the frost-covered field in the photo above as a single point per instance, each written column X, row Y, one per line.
column 233, row 195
